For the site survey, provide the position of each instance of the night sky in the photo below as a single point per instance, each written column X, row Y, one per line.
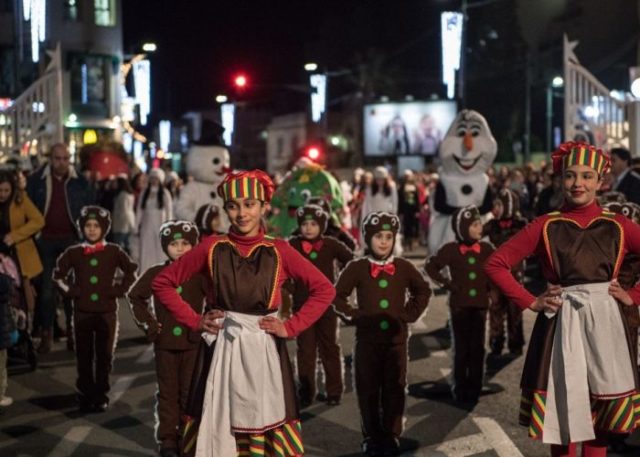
column 203, row 43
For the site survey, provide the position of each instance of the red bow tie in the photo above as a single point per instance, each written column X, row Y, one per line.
column 507, row 223
column 88, row 250
column 388, row 268
column 308, row 246
column 475, row 247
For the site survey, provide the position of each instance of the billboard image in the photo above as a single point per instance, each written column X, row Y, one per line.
column 412, row 128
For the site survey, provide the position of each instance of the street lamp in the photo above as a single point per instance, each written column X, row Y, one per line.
column 310, row 66
column 149, row 47
column 634, row 76
column 556, row 82
column 221, row 98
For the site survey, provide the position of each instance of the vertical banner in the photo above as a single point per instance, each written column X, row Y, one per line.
column 318, row 96
column 452, row 24
column 227, row 112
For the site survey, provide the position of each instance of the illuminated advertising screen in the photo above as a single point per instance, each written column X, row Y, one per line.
column 412, row 128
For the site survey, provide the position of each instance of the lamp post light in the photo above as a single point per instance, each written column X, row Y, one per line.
column 221, row 98
column 310, row 66
column 555, row 83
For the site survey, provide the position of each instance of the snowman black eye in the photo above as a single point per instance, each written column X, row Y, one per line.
column 461, row 131
column 216, row 161
column 475, row 131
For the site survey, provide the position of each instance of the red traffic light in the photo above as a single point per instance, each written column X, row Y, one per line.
column 240, row 81
column 313, row 153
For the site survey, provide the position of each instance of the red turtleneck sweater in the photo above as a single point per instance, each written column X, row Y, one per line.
column 529, row 241
column 293, row 265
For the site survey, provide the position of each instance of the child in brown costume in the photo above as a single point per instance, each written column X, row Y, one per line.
column 209, row 220
column 507, row 223
column 86, row 273
column 322, row 337
column 381, row 319
column 629, row 273
column 175, row 346
column 469, row 299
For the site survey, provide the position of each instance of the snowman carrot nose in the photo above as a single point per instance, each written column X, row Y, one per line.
column 468, row 141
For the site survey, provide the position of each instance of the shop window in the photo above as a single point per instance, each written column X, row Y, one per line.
column 89, row 85
column 71, row 10
column 105, row 12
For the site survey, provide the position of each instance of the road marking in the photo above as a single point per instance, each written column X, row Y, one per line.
column 121, row 386
column 70, row 441
column 146, row 356
column 441, row 353
column 464, row 446
column 497, row 437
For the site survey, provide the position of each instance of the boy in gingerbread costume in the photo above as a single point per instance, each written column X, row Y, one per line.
column 507, row 223
column 245, row 270
column 175, row 346
column 391, row 294
column 86, row 273
column 322, row 337
column 469, row 299
column 579, row 382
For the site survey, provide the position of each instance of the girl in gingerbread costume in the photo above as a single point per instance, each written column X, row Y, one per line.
column 579, row 383
column 249, row 405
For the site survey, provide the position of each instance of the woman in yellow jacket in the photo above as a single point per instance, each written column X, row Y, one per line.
column 20, row 221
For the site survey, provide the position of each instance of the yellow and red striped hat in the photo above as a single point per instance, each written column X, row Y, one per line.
column 572, row 153
column 253, row 184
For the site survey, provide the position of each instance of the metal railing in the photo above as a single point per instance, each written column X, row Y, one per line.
column 34, row 121
column 590, row 112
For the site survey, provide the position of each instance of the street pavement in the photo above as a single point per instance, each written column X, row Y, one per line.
column 44, row 420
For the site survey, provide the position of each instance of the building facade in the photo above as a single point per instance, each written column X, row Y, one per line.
column 89, row 35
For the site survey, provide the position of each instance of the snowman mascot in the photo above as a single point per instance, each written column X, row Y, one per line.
column 208, row 163
column 466, row 152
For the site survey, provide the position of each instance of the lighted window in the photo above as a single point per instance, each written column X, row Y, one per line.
column 71, row 10
column 105, row 12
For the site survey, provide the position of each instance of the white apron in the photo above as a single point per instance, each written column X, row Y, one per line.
column 244, row 391
column 585, row 362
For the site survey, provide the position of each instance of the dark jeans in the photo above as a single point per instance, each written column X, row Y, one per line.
column 49, row 250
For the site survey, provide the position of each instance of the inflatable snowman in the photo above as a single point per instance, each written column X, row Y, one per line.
column 208, row 163
column 466, row 152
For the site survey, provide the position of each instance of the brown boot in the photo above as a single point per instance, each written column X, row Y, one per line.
column 46, row 341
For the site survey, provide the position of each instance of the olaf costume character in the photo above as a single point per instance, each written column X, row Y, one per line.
column 208, row 163
column 466, row 152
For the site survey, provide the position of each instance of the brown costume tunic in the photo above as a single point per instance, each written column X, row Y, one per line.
column 499, row 231
column 381, row 337
column 469, row 301
column 322, row 337
column 578, row 255
column 175, row 349
column 94, row 292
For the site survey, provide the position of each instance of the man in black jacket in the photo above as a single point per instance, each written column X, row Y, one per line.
column 627, row 180
column 59, row 193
